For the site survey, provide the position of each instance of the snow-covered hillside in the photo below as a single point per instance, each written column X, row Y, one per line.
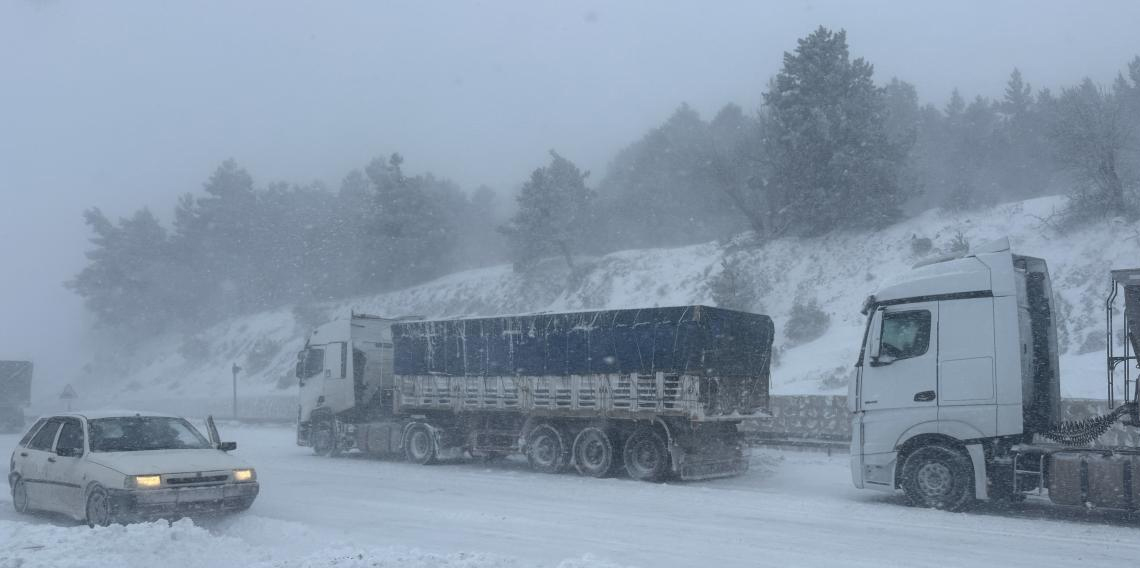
column 837, row 271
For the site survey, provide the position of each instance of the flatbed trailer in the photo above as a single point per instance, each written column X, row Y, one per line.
column 656, row 392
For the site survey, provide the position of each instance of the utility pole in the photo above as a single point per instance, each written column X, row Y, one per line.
column 235, row 370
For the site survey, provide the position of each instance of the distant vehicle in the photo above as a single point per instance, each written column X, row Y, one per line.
column 15, row 394
column 106, row 467
column 656, row 392
column 958, row 377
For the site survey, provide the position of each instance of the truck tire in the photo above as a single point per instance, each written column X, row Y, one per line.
column 324, row 439
column 593, row 452
column 545, row 451
column 938, row 477
column 419, row 445
column 646, row 456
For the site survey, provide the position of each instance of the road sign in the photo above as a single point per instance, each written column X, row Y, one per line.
column 69, row 395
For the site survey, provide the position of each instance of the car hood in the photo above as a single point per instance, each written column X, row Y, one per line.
column 166, row 461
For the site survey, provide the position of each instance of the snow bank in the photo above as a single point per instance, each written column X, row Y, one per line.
column 245, row 542
column 837, row 271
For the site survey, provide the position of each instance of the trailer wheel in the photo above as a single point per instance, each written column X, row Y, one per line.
column 938, row 477
column 593, row 452
column 419, row 445
column 544, row 450
column 646, row 457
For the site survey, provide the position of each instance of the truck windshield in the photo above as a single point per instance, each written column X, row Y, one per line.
column 138, row 433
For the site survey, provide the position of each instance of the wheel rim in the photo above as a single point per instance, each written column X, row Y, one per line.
column 20, row 496
column 645, row 457
column 935, row 480
column 592, row 451
column 544, row 450
column 419, row 445
column 98, row 512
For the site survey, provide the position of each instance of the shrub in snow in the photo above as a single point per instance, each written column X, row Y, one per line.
column 733, row 287
column 807, row 322
column 194, row 348
column 261, row 354
column 920, row 246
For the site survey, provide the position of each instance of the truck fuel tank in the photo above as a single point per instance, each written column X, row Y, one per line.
column 1098, row 478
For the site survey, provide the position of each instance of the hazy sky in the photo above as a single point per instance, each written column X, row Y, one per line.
column 128, row 104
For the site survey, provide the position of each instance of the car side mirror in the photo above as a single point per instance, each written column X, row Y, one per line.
column 227, row 446
column 68, row 452
column 299, row 372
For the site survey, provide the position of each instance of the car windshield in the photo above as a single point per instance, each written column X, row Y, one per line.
column 137, row 433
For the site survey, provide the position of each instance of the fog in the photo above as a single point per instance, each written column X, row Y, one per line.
column 123, row 105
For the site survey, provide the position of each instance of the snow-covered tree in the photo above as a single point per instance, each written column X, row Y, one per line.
column 832, row 163
column 553, row 217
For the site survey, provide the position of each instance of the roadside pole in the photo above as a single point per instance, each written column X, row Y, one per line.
column 235, row 369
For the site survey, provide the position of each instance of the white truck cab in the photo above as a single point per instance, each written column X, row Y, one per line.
column 959, row 355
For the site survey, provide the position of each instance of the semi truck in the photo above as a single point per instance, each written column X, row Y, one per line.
column 956, row 396
column 657, row 393
column 15, row 393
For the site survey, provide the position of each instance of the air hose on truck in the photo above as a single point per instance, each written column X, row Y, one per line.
column 1083, row 432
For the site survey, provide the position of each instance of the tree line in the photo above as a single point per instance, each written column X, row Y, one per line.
column 826, row 149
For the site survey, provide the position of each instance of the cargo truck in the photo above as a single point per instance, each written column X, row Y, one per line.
column 15, row 393
column 957, row 390
column 656, row 393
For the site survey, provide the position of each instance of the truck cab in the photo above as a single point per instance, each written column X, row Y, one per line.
column 345, row 370
column 958, row 361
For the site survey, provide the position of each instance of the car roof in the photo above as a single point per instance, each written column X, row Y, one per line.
column 94, row 414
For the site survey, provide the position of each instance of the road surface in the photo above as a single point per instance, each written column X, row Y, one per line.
column 792, row 509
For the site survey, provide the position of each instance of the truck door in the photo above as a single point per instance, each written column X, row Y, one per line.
column 967, row 406
column 310, row 374
column 898, row 383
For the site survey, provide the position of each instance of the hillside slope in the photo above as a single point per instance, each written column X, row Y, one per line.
column 836, row 271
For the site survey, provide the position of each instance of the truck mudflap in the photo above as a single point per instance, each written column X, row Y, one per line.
column 707, row 453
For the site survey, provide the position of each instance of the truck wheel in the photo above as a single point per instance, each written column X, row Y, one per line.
column 98, row 508
column 419, row 445
column 324, row 438
column 646, row 457
column 593, row 452
column 20, row 496
column 938, row 477
column 545, row 451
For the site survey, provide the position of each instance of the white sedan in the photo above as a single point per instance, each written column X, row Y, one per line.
column 109, row 467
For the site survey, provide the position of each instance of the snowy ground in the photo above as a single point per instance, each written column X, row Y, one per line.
column 794, row 509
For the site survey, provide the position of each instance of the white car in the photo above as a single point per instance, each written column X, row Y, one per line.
column 104, row 467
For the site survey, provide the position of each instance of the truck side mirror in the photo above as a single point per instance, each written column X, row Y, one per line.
column 299, row 372
column 873, row 349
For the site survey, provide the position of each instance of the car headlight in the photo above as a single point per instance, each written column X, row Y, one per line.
column 144, row 481
column 245, row 475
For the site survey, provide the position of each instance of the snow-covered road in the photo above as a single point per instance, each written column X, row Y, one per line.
column 793, row 509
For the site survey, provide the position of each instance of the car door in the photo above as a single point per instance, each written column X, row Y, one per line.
column 65, row 468
column 898, row 382
column 34, row 474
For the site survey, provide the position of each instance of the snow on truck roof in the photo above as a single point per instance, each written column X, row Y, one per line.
column 946, row 275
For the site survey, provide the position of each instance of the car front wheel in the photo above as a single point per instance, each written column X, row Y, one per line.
column 98, row 508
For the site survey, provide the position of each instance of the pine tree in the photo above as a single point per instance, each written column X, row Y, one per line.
column 832, row 163
column 553, row 214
